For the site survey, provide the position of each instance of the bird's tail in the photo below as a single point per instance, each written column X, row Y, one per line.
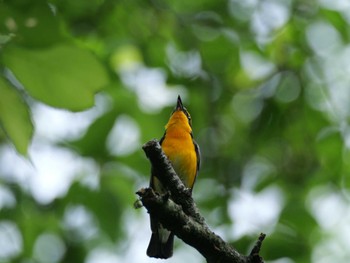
column 161, row 244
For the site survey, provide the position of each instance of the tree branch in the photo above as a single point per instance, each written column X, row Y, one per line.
column 180, row 215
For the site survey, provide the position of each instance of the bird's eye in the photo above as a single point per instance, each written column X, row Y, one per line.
column 189, row 118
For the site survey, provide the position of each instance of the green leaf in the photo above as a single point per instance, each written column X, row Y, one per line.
column 93, row 142
column 30, row 24
column 62, row 76
column 105, row 205
column 15, row 117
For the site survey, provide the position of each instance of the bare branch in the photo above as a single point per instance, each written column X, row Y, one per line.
column 178, row 213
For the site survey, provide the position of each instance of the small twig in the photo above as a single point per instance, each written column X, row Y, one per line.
column 254, row 254
column 257, row 246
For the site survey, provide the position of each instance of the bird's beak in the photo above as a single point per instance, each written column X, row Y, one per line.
column 179, row 105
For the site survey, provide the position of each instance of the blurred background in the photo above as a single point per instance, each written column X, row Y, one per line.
column 84, row 84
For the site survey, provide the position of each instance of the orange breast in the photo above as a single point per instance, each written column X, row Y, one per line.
column 180, row 150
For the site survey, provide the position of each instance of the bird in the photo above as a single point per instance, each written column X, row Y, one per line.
column 184, row 155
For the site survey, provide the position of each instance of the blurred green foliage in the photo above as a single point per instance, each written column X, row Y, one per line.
column 266, row 87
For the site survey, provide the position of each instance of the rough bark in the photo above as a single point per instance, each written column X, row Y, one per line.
column 178, row 212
